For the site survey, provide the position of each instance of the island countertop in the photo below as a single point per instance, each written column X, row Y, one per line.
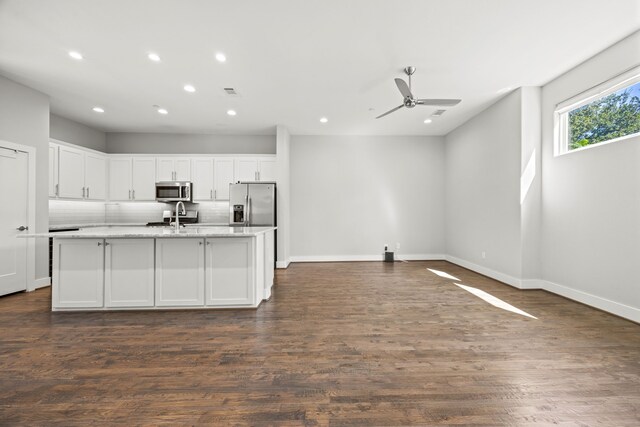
column 153, row 232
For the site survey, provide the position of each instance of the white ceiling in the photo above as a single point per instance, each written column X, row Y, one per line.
column 295, row 61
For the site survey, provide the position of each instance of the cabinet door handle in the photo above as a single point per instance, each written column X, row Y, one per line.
column 215, row 194
column 57, row 189
column 129, row 194
column 200, row 243
column 211, row 193
column 208, row 243
column 99, row 243
column 87, row 192
column 106, row 243
column 83, row 192
column 133, row 194
column 259, row 178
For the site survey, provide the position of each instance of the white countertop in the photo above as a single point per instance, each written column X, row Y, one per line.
column 127, row 224
column 153, row 232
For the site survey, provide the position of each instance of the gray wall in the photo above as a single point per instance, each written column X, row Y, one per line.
column 483, row 188
column 591, row 198
column 24, row 119
column 72, row 132
column 165, row 143
column 352, row 194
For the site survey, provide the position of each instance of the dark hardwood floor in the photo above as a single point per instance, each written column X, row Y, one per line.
column 338, row 344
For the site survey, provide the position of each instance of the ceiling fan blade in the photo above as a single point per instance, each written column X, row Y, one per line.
column 390, row 111
column 404, row 89
column 439, row 102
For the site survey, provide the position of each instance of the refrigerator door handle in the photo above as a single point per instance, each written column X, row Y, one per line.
column 248, row 217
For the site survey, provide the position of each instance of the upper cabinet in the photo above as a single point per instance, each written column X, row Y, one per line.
column 173, row 169
column 202, row 177
column 224, row 175
column 255, row 169
column 80, row 174
column 53, row 170
column 132, row 178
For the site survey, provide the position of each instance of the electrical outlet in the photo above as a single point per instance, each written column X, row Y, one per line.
column 484, row 254
column 386, row 247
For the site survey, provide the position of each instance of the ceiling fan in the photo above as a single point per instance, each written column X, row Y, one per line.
column 410, row 101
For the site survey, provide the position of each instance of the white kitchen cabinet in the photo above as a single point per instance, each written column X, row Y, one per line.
column 78, row 273
column 224, row 175
column 256, row 169
column 229, row 271
column 129, row 273
column 143, row 183
column 173, row 169
column 120, row 170
column 246, row 169
column 53, row 170
column 132, row 178
column 180, row 272
column 95, row 176
column 202, row 174
column 267, row 170
column 71, row 173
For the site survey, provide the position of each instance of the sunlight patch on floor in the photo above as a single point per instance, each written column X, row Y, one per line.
column 442, row 274
column 496, row 302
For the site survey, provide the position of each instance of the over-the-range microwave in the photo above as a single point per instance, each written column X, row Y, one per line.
column 174, row 191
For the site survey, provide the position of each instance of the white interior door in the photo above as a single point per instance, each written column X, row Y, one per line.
column 14, row 179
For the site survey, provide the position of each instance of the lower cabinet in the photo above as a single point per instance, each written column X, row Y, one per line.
column 179, row 272
column 229, row 271
column 78, row 273
column 129, row 273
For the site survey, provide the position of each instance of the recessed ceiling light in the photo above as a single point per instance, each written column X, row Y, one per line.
column 221, row 57
column 189, row 88
column 154, row 57
column 427, row 121
column 75, row 55
column 231, row 112
column 324, row 120
column 98, row 109
column 162, row 111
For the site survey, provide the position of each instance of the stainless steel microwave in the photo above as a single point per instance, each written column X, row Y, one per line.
column 174, row 191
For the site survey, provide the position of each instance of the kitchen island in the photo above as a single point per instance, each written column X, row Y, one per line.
column 147, row 268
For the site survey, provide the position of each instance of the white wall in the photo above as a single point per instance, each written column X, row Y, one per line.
column 73, row 132
column 283, row 159
column 483, row 158
column 166, row 143
column 352, row 194
column 24, row 119
column 591, row 198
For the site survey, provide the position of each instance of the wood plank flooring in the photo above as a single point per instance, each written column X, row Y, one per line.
column 338, row 344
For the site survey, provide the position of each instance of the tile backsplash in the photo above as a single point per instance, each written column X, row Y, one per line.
column 64, row 212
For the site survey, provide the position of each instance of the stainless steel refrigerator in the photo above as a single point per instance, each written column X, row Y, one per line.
column 252, row 204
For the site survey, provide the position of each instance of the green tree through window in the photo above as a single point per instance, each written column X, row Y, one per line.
column 607, row 118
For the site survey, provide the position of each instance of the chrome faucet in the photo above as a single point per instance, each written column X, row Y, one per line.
column 183, row 211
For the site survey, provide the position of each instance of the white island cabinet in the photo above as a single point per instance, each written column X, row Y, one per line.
column 142, row 268
column 129, row 273
column 78, row 278
column 229, row 272
column 179, row 272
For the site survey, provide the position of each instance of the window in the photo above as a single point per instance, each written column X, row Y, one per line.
column 607, row 113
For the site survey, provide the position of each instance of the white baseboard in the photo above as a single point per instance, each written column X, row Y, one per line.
column 377, row 257
column 504, row 278
column 603, row 304
column 283, row 264
column 41, row 283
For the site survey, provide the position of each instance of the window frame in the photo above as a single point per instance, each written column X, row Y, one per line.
column 627, row 78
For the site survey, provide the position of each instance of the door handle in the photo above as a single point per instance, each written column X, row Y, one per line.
column 22, row 228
